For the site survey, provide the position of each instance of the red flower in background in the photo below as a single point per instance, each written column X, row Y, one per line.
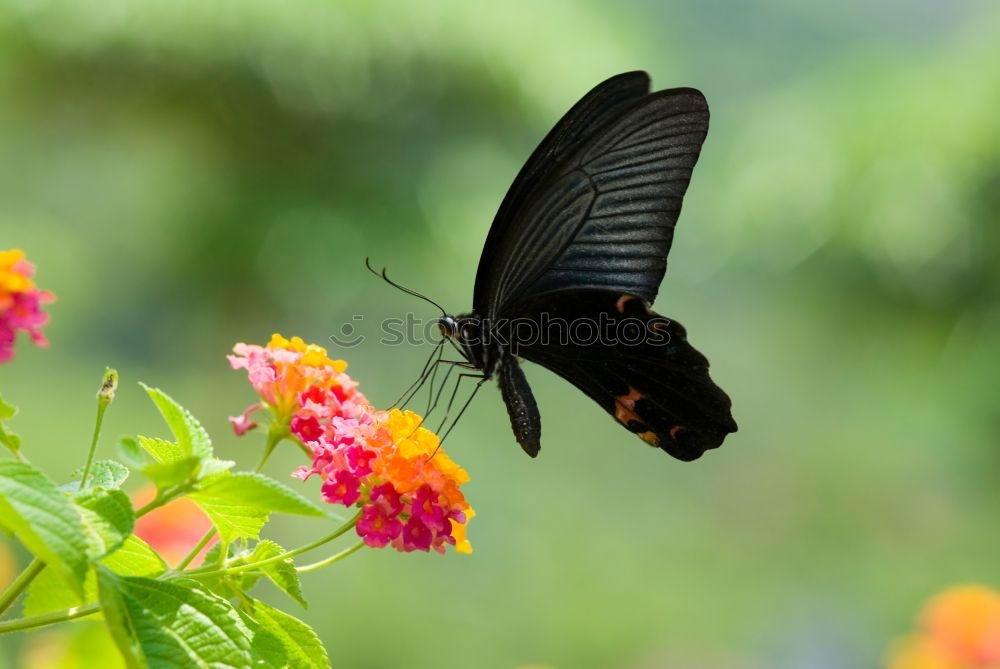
column 173, row 529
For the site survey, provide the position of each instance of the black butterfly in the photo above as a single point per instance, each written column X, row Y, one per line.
column 582, row 236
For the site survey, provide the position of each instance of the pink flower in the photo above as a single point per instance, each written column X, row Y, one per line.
column 386, row 497
column 306, row 427
column 416, row 536
column 243, row 423
column 20, row 302
column 376, row 527
column 427, row 510
column 342, row 488
column 298, row 384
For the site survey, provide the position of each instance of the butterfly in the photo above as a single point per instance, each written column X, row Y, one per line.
column 581, row 239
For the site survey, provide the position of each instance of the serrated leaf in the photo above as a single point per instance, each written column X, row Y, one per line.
column 108, row 518
column 132, row 453
column 172, row 623
column 162, row 450
column 165, row 474
column 135, row 558
column 303, row 649
column 44, row 520
column 214, row 467
column 188, row 432
column 266, row 649
column 240, row 504
column 106, row 474
column 282, row 573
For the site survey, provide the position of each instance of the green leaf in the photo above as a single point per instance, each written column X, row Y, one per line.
column 135, row 558
column 44, row 520
column 231, row 586
column 266, row 649
column 165, row 474
column 190, row 435
column 106, row 474
column 119, row 621
column 108, row 518
column 303, row 649
column 240, row 504
column 214, row 466
column 8, row 438
column 48, row 592
column 131, row 452
column 172, row 623
column 6, row 410
column 282, row 573
column 162, row 450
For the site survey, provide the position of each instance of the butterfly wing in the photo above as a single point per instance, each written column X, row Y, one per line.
column 655, row 383
column 604, row 104
column 600, row 213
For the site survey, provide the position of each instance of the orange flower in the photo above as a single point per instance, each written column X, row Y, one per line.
column 959, row 629
column 920, row 653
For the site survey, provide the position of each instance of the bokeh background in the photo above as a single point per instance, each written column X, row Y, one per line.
column 191, row 174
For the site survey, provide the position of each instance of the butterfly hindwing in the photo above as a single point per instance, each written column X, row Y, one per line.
column 656, row 386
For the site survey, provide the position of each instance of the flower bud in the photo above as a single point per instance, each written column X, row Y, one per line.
column 109, row 384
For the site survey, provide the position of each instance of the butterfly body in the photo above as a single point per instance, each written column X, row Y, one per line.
column 574, row 260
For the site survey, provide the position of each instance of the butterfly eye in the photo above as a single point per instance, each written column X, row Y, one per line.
column 447, row 326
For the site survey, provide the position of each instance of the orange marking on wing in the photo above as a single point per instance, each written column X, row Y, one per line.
column 674, row 430
column 622, row 302
column 625, row 406
column 650, row 438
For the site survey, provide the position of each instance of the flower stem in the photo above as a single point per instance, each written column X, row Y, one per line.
column 105, row 395
column 194, row 551
column 275, row 434
column 101, row 408
column 19, row 624
column 19, row 585
column 211, row 571
column 330, row 560
column 163, row 497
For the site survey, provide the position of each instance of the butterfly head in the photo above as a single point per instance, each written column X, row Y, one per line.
column 465, row 332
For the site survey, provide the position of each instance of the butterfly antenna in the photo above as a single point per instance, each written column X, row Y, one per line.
column 406, row 290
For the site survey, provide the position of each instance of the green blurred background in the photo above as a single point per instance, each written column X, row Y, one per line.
column 191, row 174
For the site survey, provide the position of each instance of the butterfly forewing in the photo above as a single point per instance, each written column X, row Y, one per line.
column 604, row 218
column 595, row 111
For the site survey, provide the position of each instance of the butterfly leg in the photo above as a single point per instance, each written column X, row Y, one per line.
column 482, row 379
column 415, row 386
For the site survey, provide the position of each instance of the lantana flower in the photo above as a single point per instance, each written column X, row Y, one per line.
column 298, row 384
column 394, row 469
column 20, row 302
column 385, row 463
